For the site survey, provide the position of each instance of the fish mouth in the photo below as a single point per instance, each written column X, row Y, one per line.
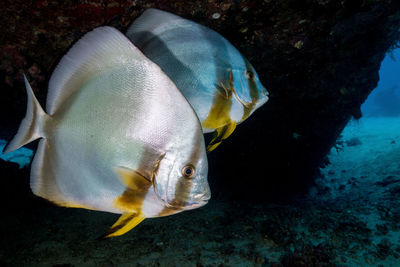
column 262, row 101
column 199, row 203
column 264, row 97
column 205, row 197
column 178, row 205
column 195, row 205
column 265, row 94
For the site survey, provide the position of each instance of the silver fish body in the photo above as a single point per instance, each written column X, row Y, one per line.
column 118, row 136
column 220, row 84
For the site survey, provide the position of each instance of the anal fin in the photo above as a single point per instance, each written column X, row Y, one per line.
column 221, row 134
column 124, row 224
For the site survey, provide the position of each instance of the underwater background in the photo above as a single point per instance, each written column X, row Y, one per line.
column 349, row 216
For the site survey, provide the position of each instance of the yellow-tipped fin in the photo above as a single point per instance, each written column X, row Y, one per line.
column 221, row 134
column 131, row 200
column 125, row 223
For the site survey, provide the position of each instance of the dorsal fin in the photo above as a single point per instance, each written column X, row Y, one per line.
column 32, row 125
column 96, row 51
column 155, row 21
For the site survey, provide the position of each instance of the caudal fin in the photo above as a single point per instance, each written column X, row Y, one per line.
column 31, row 126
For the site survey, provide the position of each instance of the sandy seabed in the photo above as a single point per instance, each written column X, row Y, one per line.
column 350, row 218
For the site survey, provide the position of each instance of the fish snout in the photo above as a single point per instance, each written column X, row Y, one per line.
column 205, row 197
column 265, row 93
column 263, row 98
column 202, row 199
column 190, row 201
column 196, row 204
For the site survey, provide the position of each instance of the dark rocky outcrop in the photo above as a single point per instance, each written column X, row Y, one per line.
column 319, row 59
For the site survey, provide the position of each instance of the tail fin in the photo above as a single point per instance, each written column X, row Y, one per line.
column 31, row 126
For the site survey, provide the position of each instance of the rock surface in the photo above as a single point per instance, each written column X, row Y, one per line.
column 319, row 59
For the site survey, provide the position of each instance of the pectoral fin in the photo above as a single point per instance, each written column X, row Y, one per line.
column 132, row 178
column 125, row 223
column 137, row 185
column 221, row 134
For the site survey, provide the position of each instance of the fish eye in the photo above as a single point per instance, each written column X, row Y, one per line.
column 188, row 171
column 249, row 75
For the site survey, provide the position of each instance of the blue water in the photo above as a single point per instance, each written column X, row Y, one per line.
column 363, row 177
column 385, row 99
column 21, row 156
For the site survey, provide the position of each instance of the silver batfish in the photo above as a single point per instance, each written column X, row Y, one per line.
column 220, row 84
column 118, row 136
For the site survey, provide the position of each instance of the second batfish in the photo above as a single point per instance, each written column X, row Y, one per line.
column 217, row 80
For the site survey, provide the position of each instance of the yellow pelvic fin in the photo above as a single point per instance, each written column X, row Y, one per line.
column 219, row 114
column 219, row 117
column 221, row 134
column 125, row 223
column 137, row 185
